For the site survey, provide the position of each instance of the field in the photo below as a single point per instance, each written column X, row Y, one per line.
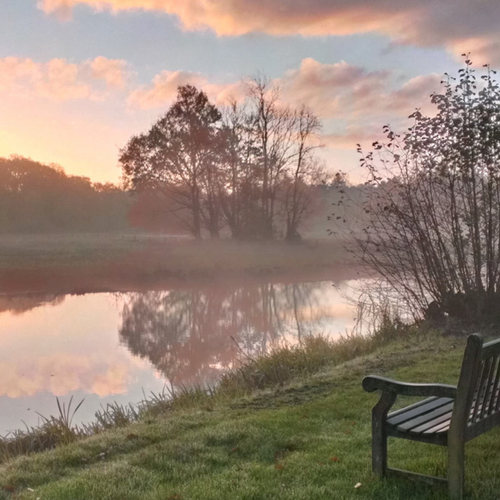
column 125, row 262
column 308, row 439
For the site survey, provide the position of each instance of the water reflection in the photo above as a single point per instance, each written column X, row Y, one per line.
column 191, row 335
column 107, row 347
column 19, row 304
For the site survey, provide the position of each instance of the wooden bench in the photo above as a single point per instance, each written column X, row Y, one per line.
column 449, row 416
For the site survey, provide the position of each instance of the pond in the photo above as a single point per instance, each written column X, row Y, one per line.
column 106, row 347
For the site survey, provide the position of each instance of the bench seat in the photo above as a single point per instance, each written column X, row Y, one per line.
column 431, row 416
column 429, row 419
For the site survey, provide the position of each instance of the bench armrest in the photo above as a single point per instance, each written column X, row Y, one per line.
column 373, row 383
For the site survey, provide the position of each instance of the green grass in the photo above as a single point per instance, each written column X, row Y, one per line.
column 308, row 439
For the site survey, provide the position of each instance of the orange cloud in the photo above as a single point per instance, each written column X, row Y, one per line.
column 13, row 69
column 448, row 23
column 60, row 80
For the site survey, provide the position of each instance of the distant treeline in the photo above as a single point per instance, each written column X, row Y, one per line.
column 41, row 198
column 38, row 198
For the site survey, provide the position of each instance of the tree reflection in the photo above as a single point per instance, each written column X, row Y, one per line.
column 20, row 304
column 190, row 335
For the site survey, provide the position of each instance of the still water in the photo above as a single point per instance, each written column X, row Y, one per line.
column 107, row 347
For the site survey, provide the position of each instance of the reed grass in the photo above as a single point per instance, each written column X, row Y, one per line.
column 288, row 362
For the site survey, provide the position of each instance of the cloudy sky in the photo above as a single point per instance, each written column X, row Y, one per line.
column 79, row 77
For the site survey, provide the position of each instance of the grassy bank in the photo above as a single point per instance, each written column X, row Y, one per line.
column 126, row 262
column 277, row 368
column 308, row 438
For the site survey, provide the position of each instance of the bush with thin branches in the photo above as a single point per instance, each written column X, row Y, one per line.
column 432, row 204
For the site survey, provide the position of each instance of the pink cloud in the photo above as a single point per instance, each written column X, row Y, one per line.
column 333, row 89
column 352, row 135
column 113, row 72
column 449, row 23
column 61, row 374
column 361, row 101
column 415, row 93
column 60, row 80
column 163, row 89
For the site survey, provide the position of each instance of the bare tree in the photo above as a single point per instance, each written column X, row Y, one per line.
column 304, row 173
column 273, row 125
column 250, row 167
column 239, row 177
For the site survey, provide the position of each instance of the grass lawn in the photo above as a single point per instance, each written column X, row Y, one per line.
column 308, row 440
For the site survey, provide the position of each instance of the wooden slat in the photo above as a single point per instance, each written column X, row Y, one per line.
column 446, row 418
column 496, row 380
column 488, row 386
column 486, row 397
column 497, row 405
column 409, row 425
column 429, row 416
column 439, row 428
column 415, row 405
column 416, row 410
column 479, row 391
column 491, row 349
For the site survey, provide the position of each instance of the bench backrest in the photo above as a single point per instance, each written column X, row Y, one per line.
column 477, row 406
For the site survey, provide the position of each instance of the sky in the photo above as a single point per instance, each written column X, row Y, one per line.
column 78, row 78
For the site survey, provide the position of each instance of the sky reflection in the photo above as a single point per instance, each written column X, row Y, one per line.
column 112, row 347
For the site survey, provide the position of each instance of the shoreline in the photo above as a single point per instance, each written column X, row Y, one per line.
column 132, row 265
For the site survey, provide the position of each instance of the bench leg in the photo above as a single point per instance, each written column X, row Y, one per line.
column 456, row 473
column 379, row 448
column 379, row 434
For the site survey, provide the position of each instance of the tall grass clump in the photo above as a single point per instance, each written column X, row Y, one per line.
column 60, row 430
column 53, row 431
column 287, row 362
